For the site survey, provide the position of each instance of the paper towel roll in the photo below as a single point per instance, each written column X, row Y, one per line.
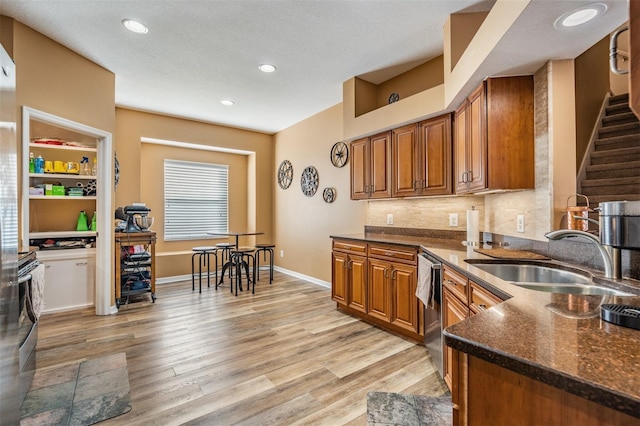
column 473, row 226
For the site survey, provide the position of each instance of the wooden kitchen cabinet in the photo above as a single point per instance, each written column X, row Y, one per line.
column 349, row 275
column 484, row 393
column 421, row 158
column 370, row 167
column 453, row 311
column 494, row 137
column 461, row 299
column 378, row 285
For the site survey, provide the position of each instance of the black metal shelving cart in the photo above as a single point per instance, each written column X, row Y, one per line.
column 135, row 265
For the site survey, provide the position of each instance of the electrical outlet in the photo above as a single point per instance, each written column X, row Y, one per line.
column 281, row 253
column 453, row 219
column 520, row 223
column 389, row 219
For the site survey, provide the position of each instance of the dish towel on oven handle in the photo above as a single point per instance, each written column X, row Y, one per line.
column 423, row 290
column 35, row 293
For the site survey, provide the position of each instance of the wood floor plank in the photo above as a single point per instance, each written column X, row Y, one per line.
column 281, row 356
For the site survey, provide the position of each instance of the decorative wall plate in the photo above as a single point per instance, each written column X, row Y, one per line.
column 116, row 171
column 339, row 154
column 394, row 97
column 309, row 181
column 285, row 174
column 329, row 195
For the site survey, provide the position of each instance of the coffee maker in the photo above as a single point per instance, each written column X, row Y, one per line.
column 128, row 214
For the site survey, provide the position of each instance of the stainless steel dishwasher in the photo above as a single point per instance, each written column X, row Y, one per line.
column 431, row 268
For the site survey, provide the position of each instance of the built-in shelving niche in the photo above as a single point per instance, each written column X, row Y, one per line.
column 63, row 210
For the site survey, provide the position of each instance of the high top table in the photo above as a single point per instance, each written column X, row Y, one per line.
column 233, row 260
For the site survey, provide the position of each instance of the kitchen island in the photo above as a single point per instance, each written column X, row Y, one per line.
column 537, row 357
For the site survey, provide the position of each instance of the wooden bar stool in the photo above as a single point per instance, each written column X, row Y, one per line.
column 265, row 248
column 244, row 257
column 204, row 257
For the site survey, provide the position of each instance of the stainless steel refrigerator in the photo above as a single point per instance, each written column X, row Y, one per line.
column 9, row 296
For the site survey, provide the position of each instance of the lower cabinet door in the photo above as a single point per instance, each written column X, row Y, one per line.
column 358, row 283
column 339, row 277
column 69, row 282
column 453, row 311
column 379, row 289
column 404, row 303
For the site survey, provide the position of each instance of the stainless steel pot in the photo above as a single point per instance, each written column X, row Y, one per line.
column 620, row 224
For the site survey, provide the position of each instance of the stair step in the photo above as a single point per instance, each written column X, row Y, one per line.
column 611, row 186
column 613, row 170
column 618, row 142
column 617, row 99
column 618, row 130
column 617, row 109
column 615, row 156
column 594, row 201
column 620, row 118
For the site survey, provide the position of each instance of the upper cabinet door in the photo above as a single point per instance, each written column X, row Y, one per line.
column 460, row 149
column 359, row 156
column 477, row 141
column 405, row 178
column 380, row 147
column 434, row 161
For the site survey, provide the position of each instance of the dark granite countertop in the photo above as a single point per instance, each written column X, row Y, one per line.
column 558, row 339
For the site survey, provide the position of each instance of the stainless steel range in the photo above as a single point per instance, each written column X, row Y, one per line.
column 27, row 323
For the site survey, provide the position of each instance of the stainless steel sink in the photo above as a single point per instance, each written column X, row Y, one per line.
column 546, row 278
column 533, row 273
column 582, row 289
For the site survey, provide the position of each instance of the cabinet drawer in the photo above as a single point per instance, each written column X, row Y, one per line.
column 350, row 246
column 457, row 284
column 480, row 298
column 393, row 253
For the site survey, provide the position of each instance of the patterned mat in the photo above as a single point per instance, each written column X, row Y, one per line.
column 387, row 408
column 78, row 394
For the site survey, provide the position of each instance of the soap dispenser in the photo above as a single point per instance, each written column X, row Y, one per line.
column 84, row 166
column 82, row 222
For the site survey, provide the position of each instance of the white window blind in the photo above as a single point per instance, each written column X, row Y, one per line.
column 195, row 199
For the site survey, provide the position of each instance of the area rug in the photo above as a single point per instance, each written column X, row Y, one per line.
column 387, row 408
column 78, row 394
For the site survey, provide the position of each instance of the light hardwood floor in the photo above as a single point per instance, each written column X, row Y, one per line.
column 284, row 356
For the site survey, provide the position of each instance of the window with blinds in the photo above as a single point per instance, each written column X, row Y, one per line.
column 195, row 199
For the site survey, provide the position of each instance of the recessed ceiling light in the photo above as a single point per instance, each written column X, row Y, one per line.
column 135, row 26
column 226, row 102
column 267, row 68
column 581, row 15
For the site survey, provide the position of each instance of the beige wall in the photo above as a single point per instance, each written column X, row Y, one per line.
column 251, row 176
column 304, row 224
column 69, row 86
column 592, row 85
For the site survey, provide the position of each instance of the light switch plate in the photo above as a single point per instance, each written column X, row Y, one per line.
column 390, row 219
column 453, row 219
column 520, row 223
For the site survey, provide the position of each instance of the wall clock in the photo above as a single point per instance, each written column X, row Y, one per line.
column 285, row 174
column 309, row 181
column 329, row 195
column 394, row 97
column 339, row 154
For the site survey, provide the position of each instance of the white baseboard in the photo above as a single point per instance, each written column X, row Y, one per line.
column 176, row 278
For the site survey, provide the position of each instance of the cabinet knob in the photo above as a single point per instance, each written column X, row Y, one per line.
column 81, row 263
column 482, row 306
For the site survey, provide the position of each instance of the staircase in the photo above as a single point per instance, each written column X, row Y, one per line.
column 613, row 173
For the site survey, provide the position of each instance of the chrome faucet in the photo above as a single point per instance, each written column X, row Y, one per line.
column 612, row 264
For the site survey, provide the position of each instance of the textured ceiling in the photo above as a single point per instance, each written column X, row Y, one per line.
column 200, row 52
